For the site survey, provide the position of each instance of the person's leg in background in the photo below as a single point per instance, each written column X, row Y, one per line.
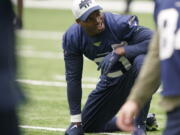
column 128, row 3
column 173, row 122
column 9, row 123
column 140, row 121
column 10, row 94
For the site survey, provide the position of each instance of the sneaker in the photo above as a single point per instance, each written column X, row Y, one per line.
column 151, row 122
column 74, row 129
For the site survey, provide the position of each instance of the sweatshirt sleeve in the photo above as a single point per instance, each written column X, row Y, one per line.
column 138, row 42
column 73, row 70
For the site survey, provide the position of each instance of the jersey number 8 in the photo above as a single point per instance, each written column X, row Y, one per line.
column 169, row 32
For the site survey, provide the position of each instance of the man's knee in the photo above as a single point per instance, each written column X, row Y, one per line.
column 90, row 128
column 138, row 61
column 88, row 121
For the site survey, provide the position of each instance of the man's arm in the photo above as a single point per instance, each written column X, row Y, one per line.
column 148, row 81
column 138, row 39
column 73, row 69
column 73, row 66
column 138, row 42
column 136, row 36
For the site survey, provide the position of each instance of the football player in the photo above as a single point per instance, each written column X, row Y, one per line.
column 118, row 45
column 10, row 94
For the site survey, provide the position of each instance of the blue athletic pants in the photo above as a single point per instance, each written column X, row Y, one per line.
column 104, row 102
column 9, row 123
column 173, row 122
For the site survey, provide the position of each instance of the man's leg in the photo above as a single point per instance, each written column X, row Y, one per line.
column 173, row 122
column 104, row 102
column 128, row 3
column 142, row 116
column 140, row 121
column 9, row 123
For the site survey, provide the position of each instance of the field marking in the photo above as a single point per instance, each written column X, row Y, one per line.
column 42, row 128
column 60, row 129
column 84, row 79
column 50, row 83
column 40, row 54
column 38, row 34
column 139, row 6
column 61, row 84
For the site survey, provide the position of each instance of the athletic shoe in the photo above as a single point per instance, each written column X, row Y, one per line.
column 151, row 122
column 74, row 129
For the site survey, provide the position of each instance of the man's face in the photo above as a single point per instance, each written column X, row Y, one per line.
column 94, row 23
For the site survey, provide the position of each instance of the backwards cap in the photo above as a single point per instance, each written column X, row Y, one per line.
column 83, row 8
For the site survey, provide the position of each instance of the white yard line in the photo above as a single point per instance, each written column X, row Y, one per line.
column 84, row 79
column 50, row 83
column 60, row 129
column 108, row 5
column 60, row 84
column 42, row 128
column 37, row 34
column 40, row 54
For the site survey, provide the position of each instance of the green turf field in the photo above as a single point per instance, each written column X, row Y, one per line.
column 41, row 72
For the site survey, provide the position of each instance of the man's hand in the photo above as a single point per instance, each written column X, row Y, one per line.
column 75, row 129
column 127, row 113
column 108, row 62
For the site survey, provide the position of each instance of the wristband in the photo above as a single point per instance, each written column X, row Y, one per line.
column 76, row 118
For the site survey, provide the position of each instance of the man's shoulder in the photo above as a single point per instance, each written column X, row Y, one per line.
column 73, row 33
column 73, row 29
column 72, row 37
column 119, row 19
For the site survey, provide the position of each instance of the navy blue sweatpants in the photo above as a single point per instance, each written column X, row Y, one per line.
column 9, row 123
column 173, row 122
column 104, row 102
